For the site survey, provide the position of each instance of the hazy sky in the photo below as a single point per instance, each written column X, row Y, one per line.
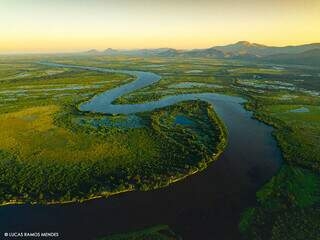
column 72, row 25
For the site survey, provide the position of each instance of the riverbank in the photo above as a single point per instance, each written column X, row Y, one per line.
column 200, row 164
column 293, row 193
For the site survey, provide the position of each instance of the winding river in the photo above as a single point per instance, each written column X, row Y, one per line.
column 204, row 206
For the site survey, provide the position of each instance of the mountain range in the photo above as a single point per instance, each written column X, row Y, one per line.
column 301, row 54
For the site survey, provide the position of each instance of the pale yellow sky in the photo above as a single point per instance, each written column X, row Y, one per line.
column 60, row 25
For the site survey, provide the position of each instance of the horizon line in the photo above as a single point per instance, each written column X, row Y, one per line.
column 84, row 50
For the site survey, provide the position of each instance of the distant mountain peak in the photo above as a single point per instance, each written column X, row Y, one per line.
column 239, row 50
column 246, row 43
column 110, row 51
column 92, row 51
column 249, row 44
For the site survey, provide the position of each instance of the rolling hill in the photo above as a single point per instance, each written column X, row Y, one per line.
column 310, row 57
column 300, row 54
column 244, row 47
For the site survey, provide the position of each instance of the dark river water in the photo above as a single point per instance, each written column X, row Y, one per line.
column 204, row 206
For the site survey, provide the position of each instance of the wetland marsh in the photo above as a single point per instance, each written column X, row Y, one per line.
column 154, row 134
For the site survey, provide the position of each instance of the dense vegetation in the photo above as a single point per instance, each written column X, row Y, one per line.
column 47, row 156
column 71, row 162
column 161, row 232
column 288, row 206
